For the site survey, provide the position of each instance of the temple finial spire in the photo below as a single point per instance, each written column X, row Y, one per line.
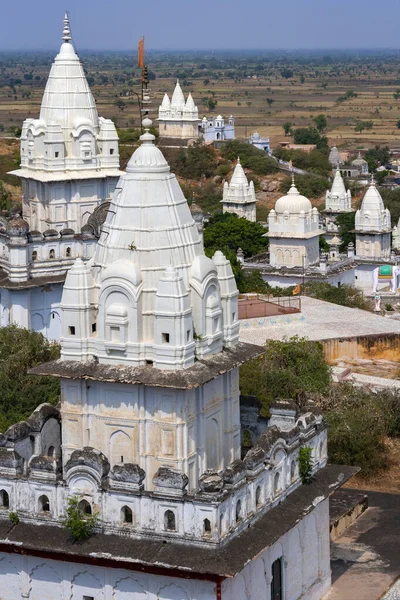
column 66, row 31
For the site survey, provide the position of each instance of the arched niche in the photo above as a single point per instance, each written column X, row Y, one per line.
column 121, row 448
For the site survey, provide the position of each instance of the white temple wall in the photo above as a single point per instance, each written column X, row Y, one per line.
column 364, row 276
column 36, row 309
column 178, row 129
column 34, row 578
column 305, row 563
column 154, row 426
column 289, row 252
column 336, row 279
column 247, row 211
column 373, row 245
column 64, row 204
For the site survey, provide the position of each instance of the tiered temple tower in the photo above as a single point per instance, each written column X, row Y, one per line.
column 69, row 170
column 239, row 196
column 293, row 231
column 151, row 433
column 178, row 118
column 373, row 226
column 337, row 202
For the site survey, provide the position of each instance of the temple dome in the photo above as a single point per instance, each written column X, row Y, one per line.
column 17, row 227
column 293, row 202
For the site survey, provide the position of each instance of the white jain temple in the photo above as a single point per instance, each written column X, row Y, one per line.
column 69, row 170
column 148, row 433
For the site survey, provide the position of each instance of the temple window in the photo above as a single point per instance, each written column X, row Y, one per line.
column 4, row 499
column 85, row 507
column 206, row 527
column 34, row 255
column 50, row 451
column 277, row 487
column 68, row 252
column 52, row 253
column 71, row 330
column 44, row 504
column 165, row 338
column 94, row 327
column 258, row 496
column 56, row 154
column 238, row 511
column 169, row 521
column 126, row 515
column 111, row 151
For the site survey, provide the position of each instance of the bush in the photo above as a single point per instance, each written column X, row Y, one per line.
column 20, row 350
column 357, row 426
column 79, row 525
column 305, row 465
column 292, row 368
column 345, row 295
column 346, row 224
column 227, row 232
column 250, row 157
column 310, row 135
column 207, row 195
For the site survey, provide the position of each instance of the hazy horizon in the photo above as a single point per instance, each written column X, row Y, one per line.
column 300, row 25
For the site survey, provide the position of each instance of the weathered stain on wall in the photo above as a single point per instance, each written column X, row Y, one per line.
column 377, row 346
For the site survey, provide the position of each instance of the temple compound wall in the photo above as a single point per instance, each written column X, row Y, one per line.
column 303, row 552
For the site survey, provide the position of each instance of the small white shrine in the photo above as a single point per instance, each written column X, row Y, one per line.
column 337, row 202
column 239, row 196
column 373, row 226
column 177, row 117
column 293, row 230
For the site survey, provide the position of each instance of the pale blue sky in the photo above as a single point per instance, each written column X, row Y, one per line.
column 205, row 24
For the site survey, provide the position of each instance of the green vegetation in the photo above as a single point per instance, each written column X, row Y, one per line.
column 347, row 96
column 358, row 424
column 5, row 197
column 207, row 195
column 20, row 350
column 289, row 369
column 305, row 465
column 361, row 125
column 346, row 224
column 377, row 157
column 14, row 518
column 250, row 157
column 315, row 161
column 310, row 135
column 80, row 525
column 227, row 232
column 391, row 199
column 345, row 295
column 287, row 128
column 320, row 122
column 311, row 186
column 195, row 162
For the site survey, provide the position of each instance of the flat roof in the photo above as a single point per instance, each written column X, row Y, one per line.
column 188, row 560
column 318, row 321
column 201, row 372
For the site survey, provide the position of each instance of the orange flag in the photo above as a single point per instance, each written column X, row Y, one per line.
column 296, row 290
column 141, row 53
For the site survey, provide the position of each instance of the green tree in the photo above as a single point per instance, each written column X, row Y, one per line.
column 377, row 157
column 346, row 224
column 361, row 125
column 250, row 157
column 270, row 101
column 197, row 161
column 227, row 232
column 80, row 525
column 120, row 104
column 320, row 122
column 310, row 135
column 289, row 369
column 287, row 73
column 305, row 464
column 5, row 197
column 398, row 124
column 287, row 127
column 21, row 393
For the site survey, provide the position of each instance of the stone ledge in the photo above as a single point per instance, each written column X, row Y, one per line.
column 183, row 559
column 201, row 372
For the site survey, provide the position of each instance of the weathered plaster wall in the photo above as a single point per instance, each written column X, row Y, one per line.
column 380, row 346
column 306, row 563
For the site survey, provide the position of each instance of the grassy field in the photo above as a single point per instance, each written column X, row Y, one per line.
column 241, row 85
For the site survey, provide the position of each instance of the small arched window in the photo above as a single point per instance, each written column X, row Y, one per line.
column 44, row 504
column 4, row 499
column 258, row 496
column 277, row 485
column 85, row 507
column 293, row 470
column 169, row 521
column 206, row 527
column 52, row 253
column 34, row 255
column 238, row 511
column 221, row 524
column 50, row 451
column 321, row 450
column 126, row 515
column 68, row 252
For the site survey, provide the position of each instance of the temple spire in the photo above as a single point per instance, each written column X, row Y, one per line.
column 67, row 30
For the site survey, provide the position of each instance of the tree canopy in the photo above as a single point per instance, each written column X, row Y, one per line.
column 21, row 350
column 227, row 232
column 310, row 135
column 289, row 369
column 311, row 186
column 250, row 157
